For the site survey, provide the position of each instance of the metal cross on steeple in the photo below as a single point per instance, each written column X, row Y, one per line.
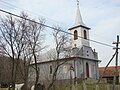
column 77, row 2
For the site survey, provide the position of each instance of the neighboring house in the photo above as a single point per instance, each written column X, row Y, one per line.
column 109, row 74
column 83, row 62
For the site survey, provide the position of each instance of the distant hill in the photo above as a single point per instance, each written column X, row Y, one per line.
column 6, row 70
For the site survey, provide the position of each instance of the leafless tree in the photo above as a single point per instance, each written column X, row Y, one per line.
column 35, row 39
column 61, row 41
column 12, row 38
column 21, row 40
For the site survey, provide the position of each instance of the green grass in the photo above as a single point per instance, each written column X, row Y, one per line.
column 88, row 86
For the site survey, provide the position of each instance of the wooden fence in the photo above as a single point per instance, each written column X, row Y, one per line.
column 84, row 86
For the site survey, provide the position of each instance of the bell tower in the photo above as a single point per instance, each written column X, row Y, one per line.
column 79, row 31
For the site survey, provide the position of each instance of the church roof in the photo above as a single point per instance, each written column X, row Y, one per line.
column 78, row 20
column 79, row 26
column 66, row 60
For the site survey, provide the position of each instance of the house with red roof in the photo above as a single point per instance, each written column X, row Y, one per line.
column 109, row 74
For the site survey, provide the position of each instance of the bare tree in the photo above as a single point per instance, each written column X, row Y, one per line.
column 35, row 38
column 12, row 38
column 21, row 39
column 61, row 41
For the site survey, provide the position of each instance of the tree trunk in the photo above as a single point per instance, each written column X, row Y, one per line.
column 36, row 69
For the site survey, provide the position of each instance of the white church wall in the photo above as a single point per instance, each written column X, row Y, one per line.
column 44, row 71
column 78, row 69
column 64, row 71
column 91, row 71
column 97, row 71
column 80, row 41
column 88, row 53
column 77, row 41
column 85, row 41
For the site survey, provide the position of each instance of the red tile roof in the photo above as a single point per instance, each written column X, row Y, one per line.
column 110, row 71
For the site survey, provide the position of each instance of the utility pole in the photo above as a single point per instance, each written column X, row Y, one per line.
column 116, row 62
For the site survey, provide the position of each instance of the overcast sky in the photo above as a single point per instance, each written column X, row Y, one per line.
column 102, row 16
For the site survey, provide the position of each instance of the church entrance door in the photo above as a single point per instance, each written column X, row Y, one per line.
column 87, row 70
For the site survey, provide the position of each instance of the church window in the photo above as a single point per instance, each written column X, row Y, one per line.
column 75, row 35
column 87, row 53
column 65, row 69
column 50, row 69
column 87, row 70
column 85, row 34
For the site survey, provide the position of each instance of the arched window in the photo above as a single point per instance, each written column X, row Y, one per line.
column 75, row 35
column 85, row 34
column 65, row 69
column 50, row 69
column 87, row 70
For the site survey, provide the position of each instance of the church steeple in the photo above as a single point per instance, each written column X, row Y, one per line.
column 80, row 32
column 78, row 19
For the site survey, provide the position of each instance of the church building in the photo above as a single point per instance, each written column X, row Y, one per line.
column 83, row 62
column 88, row 58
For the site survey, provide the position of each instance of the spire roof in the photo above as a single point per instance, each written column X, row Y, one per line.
column 78, row 19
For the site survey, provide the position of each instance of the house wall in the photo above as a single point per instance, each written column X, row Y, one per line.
column 65, row 72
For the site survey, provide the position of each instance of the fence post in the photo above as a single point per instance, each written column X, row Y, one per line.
column 108, row 87
column 84, row 86
column 96, row 87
